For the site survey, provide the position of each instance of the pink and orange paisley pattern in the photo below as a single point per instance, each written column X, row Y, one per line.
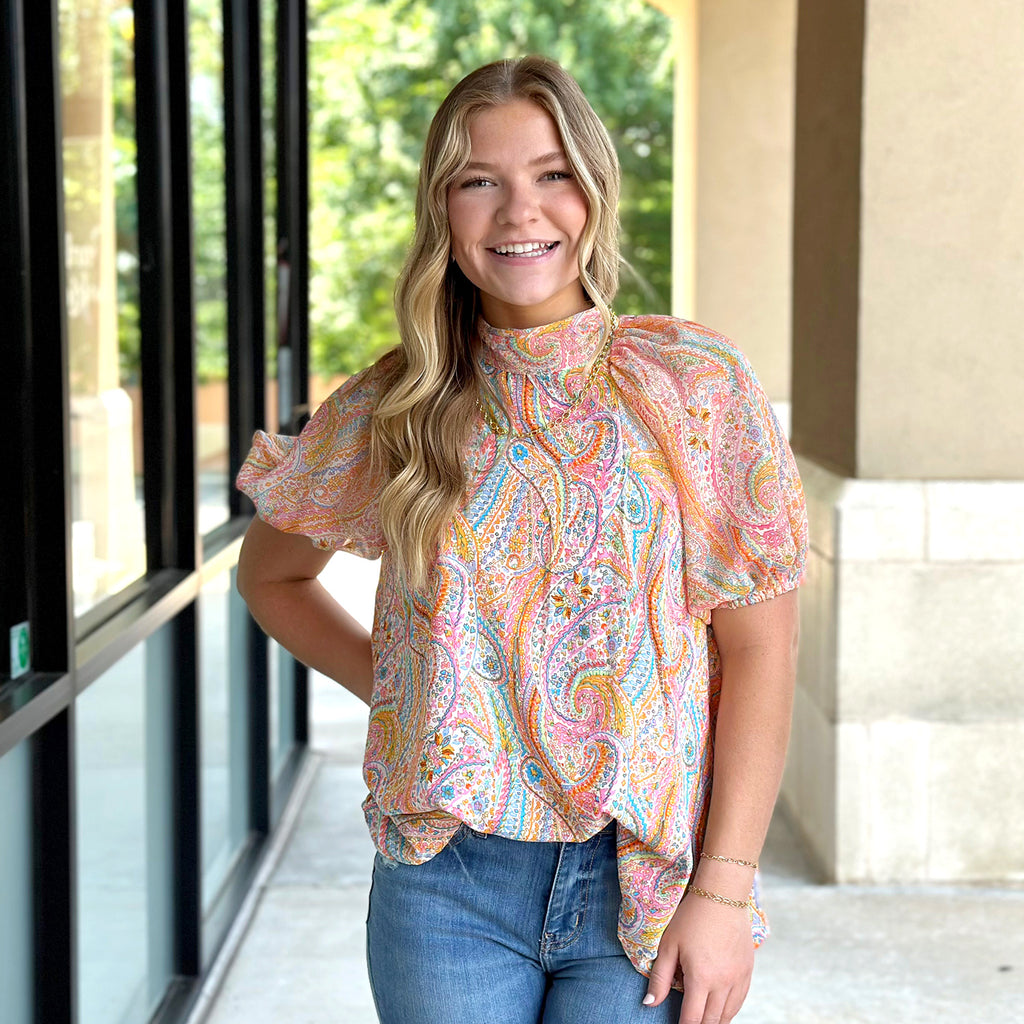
column 559, row 672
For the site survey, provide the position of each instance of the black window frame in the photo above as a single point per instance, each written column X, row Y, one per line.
column 69, row 654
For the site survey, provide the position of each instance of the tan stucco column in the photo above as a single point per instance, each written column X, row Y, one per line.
column 733, row 175
column 908, row 417
column 745, row 179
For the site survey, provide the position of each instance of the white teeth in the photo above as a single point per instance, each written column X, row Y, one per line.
column 524, row 248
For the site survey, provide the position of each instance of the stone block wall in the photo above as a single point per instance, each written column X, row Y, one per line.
column 907, row 758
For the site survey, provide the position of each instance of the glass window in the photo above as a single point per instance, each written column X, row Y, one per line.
column 268, row 80
column 123, row 761
column 16, row 928
column 223, row 726
column 101, row 255
column 209, row 200
column 282, row 705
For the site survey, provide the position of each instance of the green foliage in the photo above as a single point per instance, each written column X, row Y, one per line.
column 126, row 215
column 378, row 71
column 268, row 114
column 206, row 100
column 209, row 202
column 93, row 36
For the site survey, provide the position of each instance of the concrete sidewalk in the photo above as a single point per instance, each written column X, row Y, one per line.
column 837, row 955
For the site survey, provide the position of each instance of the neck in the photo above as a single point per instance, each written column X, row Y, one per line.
column 566, row 303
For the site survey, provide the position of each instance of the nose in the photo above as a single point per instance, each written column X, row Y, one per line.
column 518, row 206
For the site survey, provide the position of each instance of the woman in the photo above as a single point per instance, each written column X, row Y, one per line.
column 591, row 532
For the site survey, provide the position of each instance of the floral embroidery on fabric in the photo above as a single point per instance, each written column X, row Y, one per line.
column 559, row 671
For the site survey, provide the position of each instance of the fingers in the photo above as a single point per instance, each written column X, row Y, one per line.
column 700, row 1006
column 735, row 1000
column 662, row 972
column 715, row 1007
column 695, row 1003
column 705, row 999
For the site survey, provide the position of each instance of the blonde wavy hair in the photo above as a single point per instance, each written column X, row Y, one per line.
column 428, row 400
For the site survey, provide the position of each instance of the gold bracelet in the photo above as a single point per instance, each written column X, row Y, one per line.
column 731, row 860
column 717, row 898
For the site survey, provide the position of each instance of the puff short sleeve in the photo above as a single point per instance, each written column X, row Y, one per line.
column 320, row 484
column 742, row 504
column 746, row 530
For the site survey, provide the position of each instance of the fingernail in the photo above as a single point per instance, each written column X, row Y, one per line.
column 648, row 999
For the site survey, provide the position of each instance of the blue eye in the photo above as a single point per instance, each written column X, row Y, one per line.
column 558, row 175
column 475, row 183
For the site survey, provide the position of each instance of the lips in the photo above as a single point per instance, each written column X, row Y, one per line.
column 523, row 250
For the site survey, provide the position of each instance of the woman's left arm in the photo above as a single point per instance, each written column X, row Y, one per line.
column 710, row 942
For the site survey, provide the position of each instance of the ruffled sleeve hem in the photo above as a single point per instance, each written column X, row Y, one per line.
column 320, row 484
column 767, row 590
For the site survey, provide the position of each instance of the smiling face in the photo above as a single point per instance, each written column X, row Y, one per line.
column 516, row 215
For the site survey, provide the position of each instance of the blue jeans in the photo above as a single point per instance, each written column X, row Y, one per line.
column 497, row 931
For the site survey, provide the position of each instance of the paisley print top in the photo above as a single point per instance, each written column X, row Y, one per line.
column 559, row 671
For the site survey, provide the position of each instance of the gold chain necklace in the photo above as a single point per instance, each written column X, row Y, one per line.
column 491, row 420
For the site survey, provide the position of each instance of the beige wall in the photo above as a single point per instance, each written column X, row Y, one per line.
column 941, row 368
column 745, row 179
column 906, row 156
column 908, row 215
column 907, row 756
column 826, row 231
column 733, row 174
column 684, row 153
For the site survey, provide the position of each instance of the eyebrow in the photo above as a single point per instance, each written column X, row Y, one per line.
column 547, row 158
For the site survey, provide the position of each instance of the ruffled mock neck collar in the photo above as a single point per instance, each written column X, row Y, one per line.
column 546, row 350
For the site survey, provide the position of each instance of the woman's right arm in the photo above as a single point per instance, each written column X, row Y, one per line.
column 277, row 578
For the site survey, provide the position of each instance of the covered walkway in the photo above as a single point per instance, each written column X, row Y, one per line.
column 838, row 954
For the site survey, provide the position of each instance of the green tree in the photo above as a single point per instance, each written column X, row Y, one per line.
column 126, row 216
column 206, row 122
column 82, row 71
column 378, row 71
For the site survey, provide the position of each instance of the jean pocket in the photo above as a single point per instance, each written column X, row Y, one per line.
column 460, row 835
column 380, row 861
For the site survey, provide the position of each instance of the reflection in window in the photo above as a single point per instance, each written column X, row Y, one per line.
column 223, row 724
column 281, row 676
column 206, row 98
column 268, row 81
column 123, row 762
column 101, row 255
column 16, row 939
